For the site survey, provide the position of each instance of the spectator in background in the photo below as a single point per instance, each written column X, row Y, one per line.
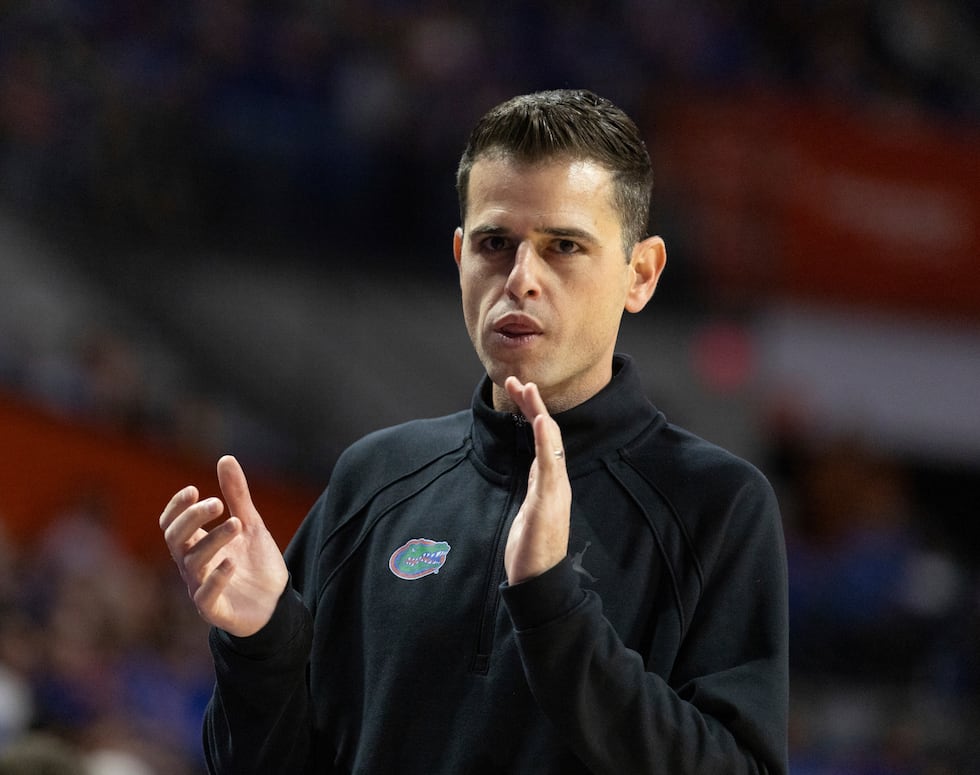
column 867, row 595
column 42, row 754
column 99, row 652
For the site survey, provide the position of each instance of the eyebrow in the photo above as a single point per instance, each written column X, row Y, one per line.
column 486, row 229
column 570, row 232
column 563, row 232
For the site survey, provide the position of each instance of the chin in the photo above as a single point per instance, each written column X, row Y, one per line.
column 526, row 367
column 498, row 372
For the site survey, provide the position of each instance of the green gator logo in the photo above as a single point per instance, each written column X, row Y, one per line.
column 418, row 558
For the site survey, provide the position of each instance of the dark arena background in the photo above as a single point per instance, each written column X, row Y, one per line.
column 226, row 227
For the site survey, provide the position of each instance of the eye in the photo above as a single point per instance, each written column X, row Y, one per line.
column 494, row 243
column 565, row 246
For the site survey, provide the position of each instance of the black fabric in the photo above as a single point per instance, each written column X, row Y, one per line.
column 658, row 645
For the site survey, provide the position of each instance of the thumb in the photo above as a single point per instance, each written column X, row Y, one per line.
column 234, row 488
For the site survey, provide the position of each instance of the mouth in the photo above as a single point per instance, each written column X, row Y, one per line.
column 517, row 329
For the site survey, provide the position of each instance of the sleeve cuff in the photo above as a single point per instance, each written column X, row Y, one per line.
column 544, row 598
column 289, row 620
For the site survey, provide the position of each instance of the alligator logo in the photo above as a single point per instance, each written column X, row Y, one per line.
column 418, row 558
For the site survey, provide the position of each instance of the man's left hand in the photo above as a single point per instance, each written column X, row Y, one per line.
column 538, row 539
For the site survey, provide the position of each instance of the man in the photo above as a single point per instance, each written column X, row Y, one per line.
column 554, row 581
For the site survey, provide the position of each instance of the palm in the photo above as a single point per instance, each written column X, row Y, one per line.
column 233, row 569
column 249, row 597
column 538, row 538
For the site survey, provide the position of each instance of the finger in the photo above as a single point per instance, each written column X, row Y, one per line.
column 206, row 548
column 188, row 527
column 515, row 389
column 234, row 486
column 177, row 504
column 549, row 451
column 548, row 444
column 207, row 595
column 526, row 396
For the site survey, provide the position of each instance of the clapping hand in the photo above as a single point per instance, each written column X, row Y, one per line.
column 233, row 568
column 538, row 538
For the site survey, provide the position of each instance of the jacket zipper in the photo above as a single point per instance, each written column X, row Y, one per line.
column 497, row 574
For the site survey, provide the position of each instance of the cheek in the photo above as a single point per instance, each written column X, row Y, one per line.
column 476, row 286
column 471, row 300
column 598, row 315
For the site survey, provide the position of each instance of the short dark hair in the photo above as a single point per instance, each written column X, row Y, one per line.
column 572, row 123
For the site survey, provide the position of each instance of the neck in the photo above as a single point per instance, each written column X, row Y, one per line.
column 555, row 401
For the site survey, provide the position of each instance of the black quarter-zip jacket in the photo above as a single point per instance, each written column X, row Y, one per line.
column 659, row 645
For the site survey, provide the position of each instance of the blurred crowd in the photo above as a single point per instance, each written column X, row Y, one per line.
column 103, row 663
column 884, row 599
column 295, row 120
column 311, row 123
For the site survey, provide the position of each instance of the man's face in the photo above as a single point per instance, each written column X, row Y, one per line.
column 543, row 276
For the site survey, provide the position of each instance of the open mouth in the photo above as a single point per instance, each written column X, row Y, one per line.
column 517, row 334
column 517, row 328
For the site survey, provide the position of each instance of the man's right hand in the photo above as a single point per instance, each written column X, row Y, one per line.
column 234, row 570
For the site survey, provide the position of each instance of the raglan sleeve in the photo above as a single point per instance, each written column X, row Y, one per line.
column 723, row 708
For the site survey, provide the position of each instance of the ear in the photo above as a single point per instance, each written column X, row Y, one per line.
column 646, row 265
column 458, row 244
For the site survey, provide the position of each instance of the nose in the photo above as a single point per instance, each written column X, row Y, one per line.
column 524, row 280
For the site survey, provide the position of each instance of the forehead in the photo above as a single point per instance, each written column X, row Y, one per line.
column 547, row 189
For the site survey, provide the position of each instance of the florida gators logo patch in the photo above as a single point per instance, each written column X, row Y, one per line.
column 418, row 558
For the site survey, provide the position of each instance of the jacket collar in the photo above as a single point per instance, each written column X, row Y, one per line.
column 606, row 422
